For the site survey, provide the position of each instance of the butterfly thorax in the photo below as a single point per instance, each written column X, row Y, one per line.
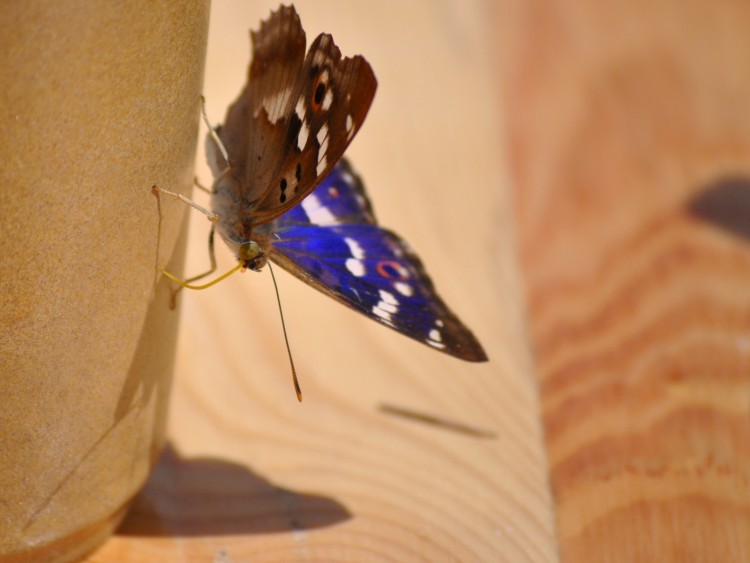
column 235, row 224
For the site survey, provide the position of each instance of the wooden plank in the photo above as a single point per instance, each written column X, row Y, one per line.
column 251, row 474
column 631, row 156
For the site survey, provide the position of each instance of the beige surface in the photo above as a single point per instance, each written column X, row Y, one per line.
column 255, row 475
column 85, row 354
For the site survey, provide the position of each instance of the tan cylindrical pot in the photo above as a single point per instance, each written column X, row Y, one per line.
column 99, row 101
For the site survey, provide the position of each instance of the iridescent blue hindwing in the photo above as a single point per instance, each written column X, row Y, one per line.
column 332, row 242
column 340, row 199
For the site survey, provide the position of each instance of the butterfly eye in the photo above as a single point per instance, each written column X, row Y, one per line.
column 251, row 255
column 257, row 264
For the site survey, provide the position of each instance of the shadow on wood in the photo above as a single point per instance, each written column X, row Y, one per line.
column 726, row 204
column 436, row 421
column 206, row 497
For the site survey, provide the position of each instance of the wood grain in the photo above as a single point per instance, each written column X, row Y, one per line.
column 253, row 475
column 631, row 153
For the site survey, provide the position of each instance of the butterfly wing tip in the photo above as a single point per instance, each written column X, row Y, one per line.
column 478, row 357
column 473, row 353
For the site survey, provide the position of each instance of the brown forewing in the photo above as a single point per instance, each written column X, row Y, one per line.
column 295, row 117
column 278, row 49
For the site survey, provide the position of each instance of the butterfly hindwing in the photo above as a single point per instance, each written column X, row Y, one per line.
column 332, row 242
column 339, row 199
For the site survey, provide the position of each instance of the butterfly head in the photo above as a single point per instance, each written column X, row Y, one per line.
column 251, row 256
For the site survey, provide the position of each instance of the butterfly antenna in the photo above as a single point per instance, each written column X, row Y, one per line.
column 286, row 339
column 212, row 132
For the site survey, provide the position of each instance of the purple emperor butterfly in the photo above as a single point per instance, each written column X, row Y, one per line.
column 280, row 192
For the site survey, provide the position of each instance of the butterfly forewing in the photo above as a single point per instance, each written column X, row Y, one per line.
column 278, row 55
column 296, row 117
column 331, row 242
column 329, row 107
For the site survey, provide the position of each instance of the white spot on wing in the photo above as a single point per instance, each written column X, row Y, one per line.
column 322, row 137
column 434, row 338
column 348, row 178
column 383, row 314
column 275, row 105
column 322, row 163
column 388, row 297
column 319, row 57
column 318, row 214
column 304, row 133
column 355, row 248
column 403, row 288
column 328, row 100
column 349, row 122
column 387, row 306
column 304, row 130
column 356, row 267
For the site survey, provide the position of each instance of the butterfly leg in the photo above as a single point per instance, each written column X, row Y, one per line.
column 212, row 132
column 213, row 217
column 197, row 184
column 187, row 282
column 211, row 256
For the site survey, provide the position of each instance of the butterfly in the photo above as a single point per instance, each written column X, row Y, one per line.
column 283, row 193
